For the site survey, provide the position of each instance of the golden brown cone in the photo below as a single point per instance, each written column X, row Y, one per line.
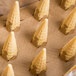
column 69, row 50
column 13, row 20
column 39, row 63
column 9, row 50
column 40, row 36
column 71, row 71
column 69, row 23
column 8, row 71
column 42, row 9
column 67, row 3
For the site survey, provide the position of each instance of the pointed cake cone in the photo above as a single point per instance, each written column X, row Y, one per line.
column 69, row 50
column 71, row 72
column 42, row 9
column 8, row 71
column 39, row 63
column 9, row 50
column 13, row 20
column 69, row 23
column 40, row 36
column 67, row 3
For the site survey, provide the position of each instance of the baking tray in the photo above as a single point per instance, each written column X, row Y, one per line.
column 26, row 50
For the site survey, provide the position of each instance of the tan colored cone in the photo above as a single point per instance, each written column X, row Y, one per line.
column 39, row 63
column 40, row 36
column 9, row 50
column 69, row 23
column 8, row 71
column 13, row 20
column 42, row 9
column 71, row 72
column 67, row 3
column 69, row 50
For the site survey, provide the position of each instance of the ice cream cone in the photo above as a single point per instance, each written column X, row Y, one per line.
column 9, row 50
column 42, row 9
column 39, row 63
column 69, row 50
column 40, row 36
column 69, row 23
column 13, row 20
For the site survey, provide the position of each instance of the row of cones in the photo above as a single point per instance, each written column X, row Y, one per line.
column 10, row 51
column 38, row 65
column 40, row 37
column 68, row 25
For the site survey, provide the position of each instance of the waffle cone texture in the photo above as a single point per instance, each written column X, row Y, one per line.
column 41, row 35
column 13, row 20
column 67, row 3
column 69, row 23
column 42, row 9
column 69, row 50
column 9, row 50
column 8, row 71
column 39, row 63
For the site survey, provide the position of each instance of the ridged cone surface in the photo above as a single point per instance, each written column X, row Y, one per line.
column 39, row 63
column 9, row 50
column 42, row 9
column 70, row 71
column 8, row 71
column 69, row 23
column 67, row 3
column 13, row 20
column 69, row 50
column 40, row 36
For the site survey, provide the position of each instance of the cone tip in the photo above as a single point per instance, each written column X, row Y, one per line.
column 16, row 2
column 12, row 32
column 46, row 20
column 9, row 65
column 44, row 50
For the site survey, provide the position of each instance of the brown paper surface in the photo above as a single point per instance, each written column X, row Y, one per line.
column 26, row 50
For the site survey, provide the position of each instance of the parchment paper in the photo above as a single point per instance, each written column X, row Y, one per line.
column 27, row 51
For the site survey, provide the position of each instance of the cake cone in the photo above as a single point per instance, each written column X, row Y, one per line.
column 8, row 71
column 67, row 3
column 13, row 20
column 42, row 9
column 40, row 36
column 9, row 50
column 69, row 23
column 39, row 63
column 69, row 50
column 71, row 72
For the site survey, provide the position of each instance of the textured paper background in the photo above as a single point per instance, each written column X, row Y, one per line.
column 56, row 40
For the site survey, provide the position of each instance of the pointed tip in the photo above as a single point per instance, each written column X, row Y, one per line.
column 44, row 50
column 46, row 20
column 16, row 2
column 9, row 65
column 12, row 32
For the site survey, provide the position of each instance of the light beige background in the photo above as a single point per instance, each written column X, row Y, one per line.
column 56, row 39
